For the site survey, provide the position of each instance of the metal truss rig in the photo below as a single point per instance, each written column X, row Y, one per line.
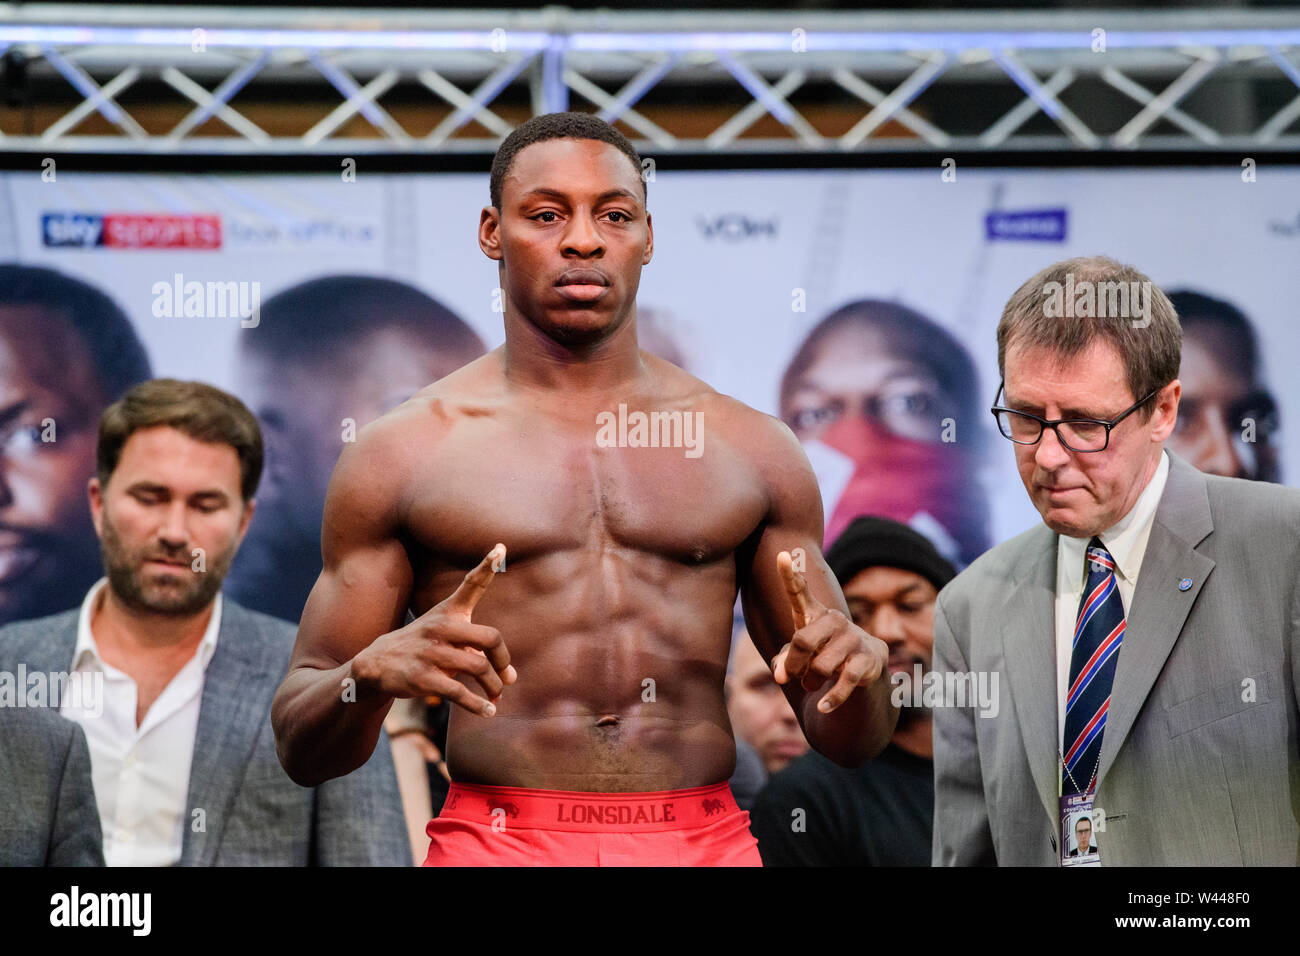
column 611, row 61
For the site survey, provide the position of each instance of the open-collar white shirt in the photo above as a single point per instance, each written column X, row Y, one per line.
column 141, row 774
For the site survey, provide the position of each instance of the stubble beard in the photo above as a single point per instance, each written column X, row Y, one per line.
column 126, row 577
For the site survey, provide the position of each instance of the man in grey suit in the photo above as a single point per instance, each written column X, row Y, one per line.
column 1147, row 633
column 181, row 745
column 48, row 815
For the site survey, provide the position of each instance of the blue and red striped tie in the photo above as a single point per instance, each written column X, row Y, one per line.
column 1097, row 637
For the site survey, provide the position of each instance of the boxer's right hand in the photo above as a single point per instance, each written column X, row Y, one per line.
column 426, row 656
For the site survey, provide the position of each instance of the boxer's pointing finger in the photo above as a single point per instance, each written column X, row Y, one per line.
column 471, row 590
column 796, row 589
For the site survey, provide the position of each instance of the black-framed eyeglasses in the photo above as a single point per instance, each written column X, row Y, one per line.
column 1077, row 434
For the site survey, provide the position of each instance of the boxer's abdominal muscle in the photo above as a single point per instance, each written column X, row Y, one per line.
column 615, row 601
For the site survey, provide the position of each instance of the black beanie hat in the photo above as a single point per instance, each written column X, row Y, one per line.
column 870, row 541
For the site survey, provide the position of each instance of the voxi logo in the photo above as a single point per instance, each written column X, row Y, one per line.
column 737, row 227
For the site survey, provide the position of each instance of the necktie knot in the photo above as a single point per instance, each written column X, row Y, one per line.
column 1098, row 558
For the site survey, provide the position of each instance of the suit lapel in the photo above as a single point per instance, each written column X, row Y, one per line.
column 231, row 715
column 1029, row 652
column 53, row 652
column 1159, row 609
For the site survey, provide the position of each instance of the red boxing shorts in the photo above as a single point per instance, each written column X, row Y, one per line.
column 513, row 826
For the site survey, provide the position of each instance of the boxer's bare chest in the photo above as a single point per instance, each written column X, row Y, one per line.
column 586, row 487
column 620, row 566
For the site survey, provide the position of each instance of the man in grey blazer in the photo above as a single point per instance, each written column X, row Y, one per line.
column 48, row 815
column 182, row 749
column 252, row 814
column 1189, row 758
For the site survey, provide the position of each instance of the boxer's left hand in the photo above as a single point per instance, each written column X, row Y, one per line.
column 825, row 644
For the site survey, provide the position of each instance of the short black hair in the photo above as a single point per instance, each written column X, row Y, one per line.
column 116, row 352
column 539, row 129
column 321, row 317
column 1198, row 310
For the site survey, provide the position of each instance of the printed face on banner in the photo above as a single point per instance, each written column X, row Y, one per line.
column 880, row 429
column 376, row 344
column 50, row 402
column 1227, row 420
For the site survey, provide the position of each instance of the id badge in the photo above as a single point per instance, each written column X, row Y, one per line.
column 1079, row 831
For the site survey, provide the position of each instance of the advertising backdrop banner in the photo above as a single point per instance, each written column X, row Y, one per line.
column 860, row 306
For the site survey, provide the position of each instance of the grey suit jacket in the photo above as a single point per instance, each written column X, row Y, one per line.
column 1199, row 759
column 252, row 813
column 48, row 815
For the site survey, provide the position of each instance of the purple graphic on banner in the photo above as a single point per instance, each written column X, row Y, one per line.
column 1036, row 225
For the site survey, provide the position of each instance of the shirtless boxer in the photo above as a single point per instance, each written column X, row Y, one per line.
column 591, row 725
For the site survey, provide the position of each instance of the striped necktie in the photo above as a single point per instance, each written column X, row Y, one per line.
column 1097, row 637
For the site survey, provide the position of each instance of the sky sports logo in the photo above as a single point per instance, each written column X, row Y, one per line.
column 124, row 230
column 1035, row 225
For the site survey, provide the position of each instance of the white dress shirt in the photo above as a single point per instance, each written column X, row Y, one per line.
column 141, row 774
column 1126, row 541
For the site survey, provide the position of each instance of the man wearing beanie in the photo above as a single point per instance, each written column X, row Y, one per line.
column 816, row 813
